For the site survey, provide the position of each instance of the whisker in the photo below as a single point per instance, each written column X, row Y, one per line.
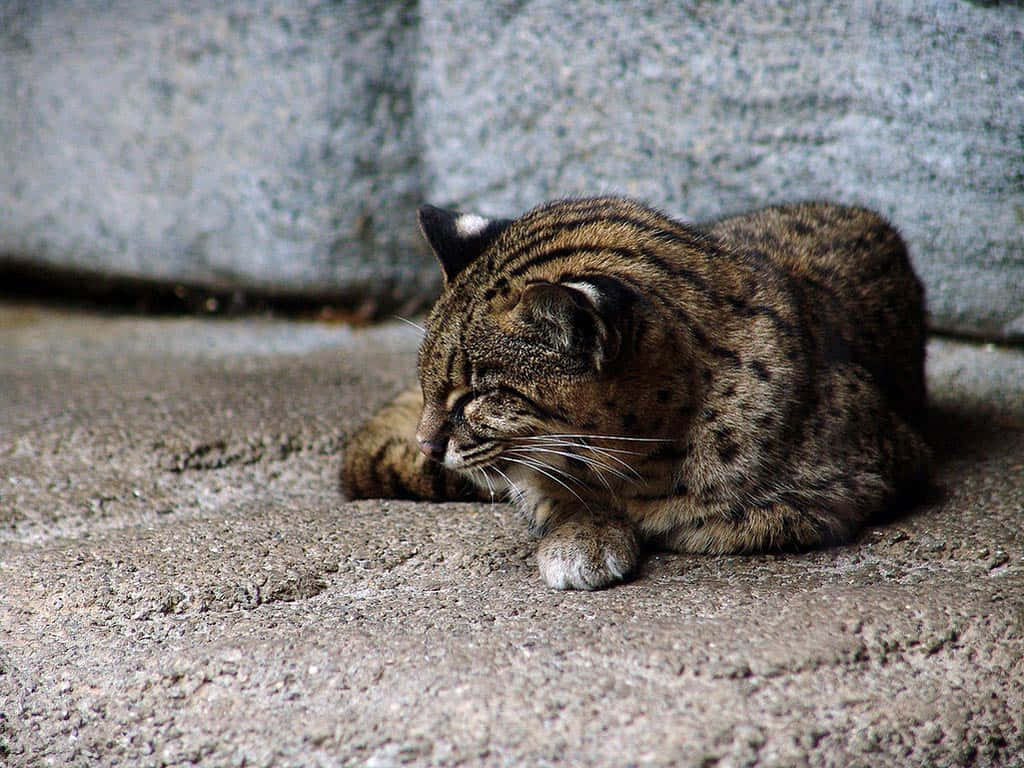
column 578, row 444
column 596, row 466
column 487, row 479
column 538, row 467
column 589, row 461
column 567, row 435
column 537, row 463
column 514, row 490
column 407, row 321
column 611, row 456
column 607, row 453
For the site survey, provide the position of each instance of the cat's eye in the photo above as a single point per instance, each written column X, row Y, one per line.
column 457, row 399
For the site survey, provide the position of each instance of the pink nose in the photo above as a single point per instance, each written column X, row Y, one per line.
column 433, row 448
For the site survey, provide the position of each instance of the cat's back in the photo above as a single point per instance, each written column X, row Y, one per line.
column 848, row 270
column 839, row 247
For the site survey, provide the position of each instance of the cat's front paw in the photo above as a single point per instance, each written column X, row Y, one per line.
column 584, row 554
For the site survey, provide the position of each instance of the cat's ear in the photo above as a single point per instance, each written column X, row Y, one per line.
column 587, row 316
column 458, row 238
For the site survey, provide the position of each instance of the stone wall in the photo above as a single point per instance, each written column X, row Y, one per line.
column 264, row 146
column 284, row 147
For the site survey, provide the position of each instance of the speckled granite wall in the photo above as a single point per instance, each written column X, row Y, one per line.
column 283, row 147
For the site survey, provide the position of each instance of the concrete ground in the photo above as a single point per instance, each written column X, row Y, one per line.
column 181, row 583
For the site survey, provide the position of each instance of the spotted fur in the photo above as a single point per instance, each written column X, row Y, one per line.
column 748, row 384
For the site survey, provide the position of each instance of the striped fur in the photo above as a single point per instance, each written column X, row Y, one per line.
column 747, row 384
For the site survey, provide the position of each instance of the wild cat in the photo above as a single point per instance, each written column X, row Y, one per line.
column 746, row 384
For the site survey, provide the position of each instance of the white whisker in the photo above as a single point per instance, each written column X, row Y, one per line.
column 607, row 453
column 487, row 479
column 542, row 469
column 589, row 461
column 514, row 490
column 601, row 437
column 597, row 467
column 554, row 440
column 417, row 326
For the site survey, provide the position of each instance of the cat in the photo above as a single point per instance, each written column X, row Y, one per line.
column 747, row 384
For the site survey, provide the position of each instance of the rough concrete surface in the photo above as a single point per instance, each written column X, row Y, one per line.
column 181, row 584
column 283, row 146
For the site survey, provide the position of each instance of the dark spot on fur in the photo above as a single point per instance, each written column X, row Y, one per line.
column 760, row 370
column 726, row 354
column 687, row 411
column 737, row 303
column 708, row 495
column 664, row 395
column 709, row 414
column 766, row 421
column 729, row 391
column 438, row 480
column 699, row 335
column 726, row 446
column 499, row 287
column 668, row 452
column 835, row 349
column 727, row 452
column 736, row 514
column 397, row 489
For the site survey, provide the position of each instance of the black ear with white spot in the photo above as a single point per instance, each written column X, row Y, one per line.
column 458, row 238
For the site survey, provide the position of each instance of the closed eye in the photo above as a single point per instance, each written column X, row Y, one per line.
column 457, row 400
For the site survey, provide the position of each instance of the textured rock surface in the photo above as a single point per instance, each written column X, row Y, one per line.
column 266, row 146
column 282, row 147
column 911, row 108
column 181, row 585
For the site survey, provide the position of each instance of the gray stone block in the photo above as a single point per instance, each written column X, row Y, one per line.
column 266, row 146
column 283, row 147
column 912, row 108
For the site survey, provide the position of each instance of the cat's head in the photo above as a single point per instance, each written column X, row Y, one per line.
column 525, row 341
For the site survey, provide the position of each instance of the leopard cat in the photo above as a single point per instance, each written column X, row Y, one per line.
column 747, row 384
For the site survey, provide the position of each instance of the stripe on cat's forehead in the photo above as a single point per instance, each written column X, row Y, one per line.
column 470, row 225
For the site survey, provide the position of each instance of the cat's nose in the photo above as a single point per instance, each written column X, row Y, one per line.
column 433, row 448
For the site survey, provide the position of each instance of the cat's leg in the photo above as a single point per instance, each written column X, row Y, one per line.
column 382, row 459
column 686, row 525
column 857, row 458
column 819, row 503
column 582, row 549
